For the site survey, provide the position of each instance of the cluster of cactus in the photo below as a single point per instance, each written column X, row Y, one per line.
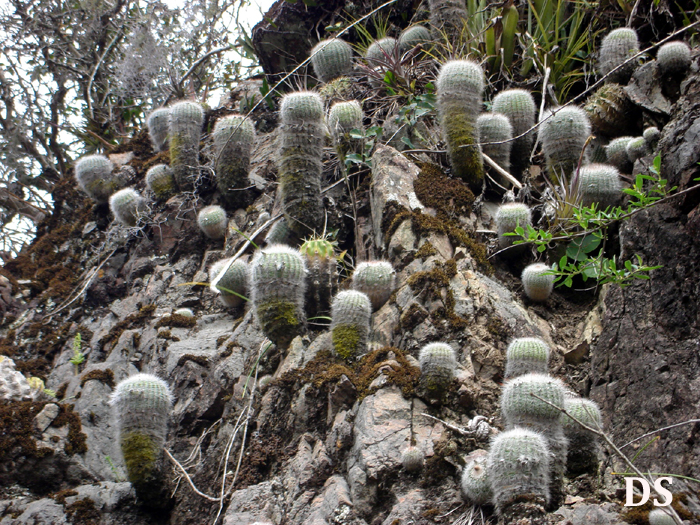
column 583, row 444
column 377, row 279
column 537, row 282
column 277, row 284
column 616, row 48
column 526, row 355
column 95, row 177
column 213, row 222
column 495, row 133
column 343, row 117
column 508, row 218
column 161, row 181
column 331, row 59
column 14, row 386
column 380, row 49
column 437, row 366
column 351, row 313
column 563, row 133
column 610, row 110
column 519, row 106
column 476, row 482
column 142, row 404
column 300, row 161
column 673, row 58
column 599, row 184
column 229, row 280
column 616, row 154
column 186, row 119
column 412, row 459
column 234, row 137
column 413, row 36
column 447, row 19
column 460, row 85
column 158, row 123
column 322, row 280
column 127, row 206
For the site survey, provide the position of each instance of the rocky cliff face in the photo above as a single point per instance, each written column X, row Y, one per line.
column 321, row 442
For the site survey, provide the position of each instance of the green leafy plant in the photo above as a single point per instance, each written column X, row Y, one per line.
column 78, row 356
column 369, row 138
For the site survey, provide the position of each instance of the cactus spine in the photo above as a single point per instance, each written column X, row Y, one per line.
column 343, row 117
column 234, row 137
column 158, row 124
column 234, row 279
column 583, row 444
column 277, row 284
column 379, row 49
column 351, row 312
column 537, row 284
column 520, row 408
column 94, row 176
column 476, row 482
column 508, row 217
column 616, row 48
column 526, row 355
column 673, row 58
column 460, row 84
column 331, row 59
column 563, row 136
column 518, row 464
column 412, row 37
column 299, row 161
column 437, row 365
column 447, row 19
column 519, row 106
column 494, row 127
column 616, row 154
column 127, row 206
column 142, row 404
column 213, row 222
column 637, row 148
column 377, row 279
column 610, row 110
column 322, row 280
column 186, row 119
column 600, row 183
column 160, row 180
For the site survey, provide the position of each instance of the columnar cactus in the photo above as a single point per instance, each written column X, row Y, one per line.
column 519, row 106
column 537, row 284
column 277, row 284
column 213, row 222
column 351, row 312
column 518, row 465
column 379, row 49
column 637, row 148
column 661, row 517
column 413, row 36
column 377, row 279
column 142, row 404
column 437, row 365
column 618, row 46
column 186, row 119
column 322, row 280
column 520, row 408
column 563, row 136
column 412, row 459
column 158, row 123
column 583, row 444
column 526, row 355
column 600, row 183
column 460, row 84
column 331, row 59
column 508, row 217
column 127, row 206
column 233, row 281
column 280, row 233
column 300, row 161
column 343, row 117
column 447, row 19
column 160, row 180
column 476, row 482
column 616, row 154
column 673, row 58
column 494, row 127
column 95, row 177
column 234, row 137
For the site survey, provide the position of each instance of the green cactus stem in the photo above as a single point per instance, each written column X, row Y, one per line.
column 526, row 355
column 476, row 482
column 496, row 128
column 563, row 133
column 437, row 366
column 234, row 137
column 610, row 111
column 448, row 19
column 160, row 180
column 94, row 176
column 413, row 36
column 508, row 217
column 600, row 184
column 380, row 49
column 158, row 124
column 377, row 279
column 234, row 279
column 331, row 59
column 127, row 206
column 412, row 459
column 637, row 148
column 343, row 117
column 519, row 106
column 322, row 279
column 618, row 46
column 213, row 222
column 351, row 312
column 538, row 285
column 673, row 58
column 616, row 154
column 583, row 444
column 186, row 119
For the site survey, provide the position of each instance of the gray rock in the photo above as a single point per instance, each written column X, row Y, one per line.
column 44, row 418
column 41, row 512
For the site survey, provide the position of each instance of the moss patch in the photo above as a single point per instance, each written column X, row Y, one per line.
column 83, row 512
column 346, row 340
column 432, row 283
column 17, row 423
column 426, row 250
column 435, row 189
column 140, row 456
column 77, row 441
column 199, row 359
column 106, row 376
column 176, row 320
column 280, row 321
column 465, row 156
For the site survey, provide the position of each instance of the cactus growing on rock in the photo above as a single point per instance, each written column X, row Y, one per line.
column 519, row 106
column 476, row 482
column 583, row 444
column 673, row 58
column 277, row 284
column 229, row 277
column 661, row 517
column 618, row 46
column 380, row 49
column 460, row 84
column 599, row 183
column 322, row 279
column 494, row 127
column 413, row 36
column 651, row 136
column 437, row 365
column 142, row 404
column 377, row 279
column 412, row 459
column 616, row 154
column 351, row 312
column 518, row 464
column 331, row 59
column 127, row 206
column 95, row 177
column 447, row 19
column 637, row 148
column 158, row 124
column 160, row 180
column 537, row 283
column 526, row 355
column 213, row 222
column 186, row 119
column 563, row 133
column 300, row 161
column 508, row 217
column 610, row 110
column 343, row 117
column 234, row 137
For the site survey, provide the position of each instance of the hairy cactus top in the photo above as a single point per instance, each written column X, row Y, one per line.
column 94, row 176
column 234, row 279
column 519, row 106
column 413, row 36
column 158, row 127
column 526, row 355
column 351, row 312
column 186, row 119
column 318, row 248
column 616, row 153
column 381, row 48
column 331, row 59
column 186, row 116
column 618, row 46
column 213, row 222
column 661, row 517
column 412, row 459
column 651, row 135
column 127, row 205
column 343, row 117
column 143, row 404
column 600, row 183
column 537, row 283
column 585, row 411
column 521, row 408
column 233, row 129
column 160, row 180
column 375, row 278
column 301, row 106
column 476, row 482
column 494, row 127
column 508, row 217
column 437, row 364
column 563, row 136
column 673, row 58
column 463, row 79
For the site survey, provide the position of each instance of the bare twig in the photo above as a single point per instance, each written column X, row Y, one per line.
column 187, row 477
column 689, row 422
column 515, row 182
